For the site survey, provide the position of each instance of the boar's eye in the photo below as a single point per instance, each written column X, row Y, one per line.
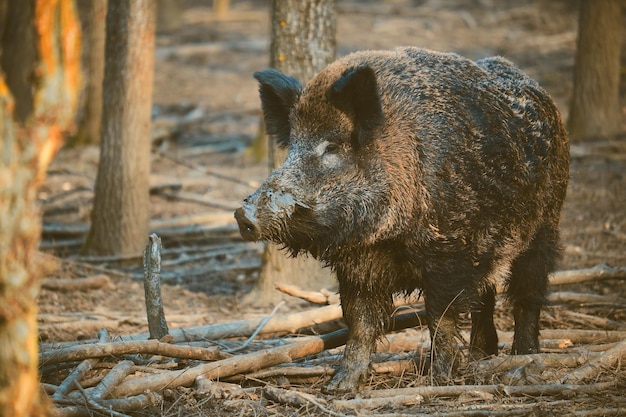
column 332, row 148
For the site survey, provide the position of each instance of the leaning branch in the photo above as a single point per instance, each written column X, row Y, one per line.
column 152, row 346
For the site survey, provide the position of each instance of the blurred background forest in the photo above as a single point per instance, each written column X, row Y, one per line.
column 198, row 146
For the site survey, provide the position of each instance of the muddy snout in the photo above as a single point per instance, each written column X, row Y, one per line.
column 264, row 214
column 247, row 221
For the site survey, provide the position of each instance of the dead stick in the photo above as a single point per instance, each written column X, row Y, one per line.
column 79, row 372
column 505, row 363
column 111, row 380
column 224, row 368
column 297, row 399
column 289, row 372
column 89, row 403
column 602, row 322
column 251, row 361
column 580, row 298
column 597, row 365
column 368, row 403
column 315, row 297
column 581, row 336
column 152, row 346
column 129, row 404
column 258, row 329
column 600, row 271
column 281, row 324
column 510, row 390
column 79, row 284
column 152, row 287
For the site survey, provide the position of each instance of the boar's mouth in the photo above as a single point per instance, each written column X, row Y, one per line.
column 293, row 228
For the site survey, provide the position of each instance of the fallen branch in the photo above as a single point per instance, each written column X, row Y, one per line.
column 293, row 372
column 297, row 399
column 278, row 325
column 588, row 319
column 582, row 298
column 161, row 226
column 79, row 372
column 282, row 324
column 369, row 403
column 505, row 363
column 100, row 281
column 258, row 329
column 597, row 365
column 91, row 403
column 252, row 361
column 509, row 390
column 76, row 375
column 123, row 405
column 322, row 297
column 224, row 368
column 152, row 346
column 111, row 380
column 600, row 271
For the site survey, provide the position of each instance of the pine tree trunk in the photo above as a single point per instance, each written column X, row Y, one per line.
column 121, row 212
column 595, row 109
column 39, row 84
column 303, row 43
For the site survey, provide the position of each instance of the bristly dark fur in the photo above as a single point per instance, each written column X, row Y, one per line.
column 412, row 169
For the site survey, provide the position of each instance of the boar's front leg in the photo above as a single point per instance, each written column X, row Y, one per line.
column 442, row 311
column 367, row 311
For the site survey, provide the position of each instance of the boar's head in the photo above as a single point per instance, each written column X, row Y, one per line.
column 333, row 188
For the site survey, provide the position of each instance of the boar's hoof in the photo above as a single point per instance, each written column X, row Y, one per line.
column 344, row 382
column 441, row 371
column 247, row 224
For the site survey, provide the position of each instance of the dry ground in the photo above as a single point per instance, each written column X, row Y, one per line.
column 206, row 116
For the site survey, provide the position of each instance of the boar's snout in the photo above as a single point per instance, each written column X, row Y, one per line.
column 247, row 221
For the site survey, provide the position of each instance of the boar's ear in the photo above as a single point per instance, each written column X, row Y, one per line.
column 355, row 94
column 278, row 94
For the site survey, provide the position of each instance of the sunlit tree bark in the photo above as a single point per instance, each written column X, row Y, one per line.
column 39, row 84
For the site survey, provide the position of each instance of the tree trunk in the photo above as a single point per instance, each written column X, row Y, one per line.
column 220, row 8
column 89, row 129
column 39, row 44
column 595, row 108
column 303, row 43
column 169, row 15
column 120, row 216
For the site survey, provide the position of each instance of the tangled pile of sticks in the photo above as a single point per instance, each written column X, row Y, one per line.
column 132, row 372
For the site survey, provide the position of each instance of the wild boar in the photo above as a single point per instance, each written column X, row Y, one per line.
column 413, row 169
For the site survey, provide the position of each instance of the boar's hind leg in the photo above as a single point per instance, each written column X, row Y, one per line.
column 367, row 312
column 484, row 339
column 528, row 286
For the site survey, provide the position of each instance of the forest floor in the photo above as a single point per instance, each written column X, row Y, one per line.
column 206, row 115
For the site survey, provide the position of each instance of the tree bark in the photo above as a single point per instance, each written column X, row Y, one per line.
column 120, row 216
column 303, row 43
column 169, row 15
column 595, row 109
column 89, row 129
column 39, row 44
